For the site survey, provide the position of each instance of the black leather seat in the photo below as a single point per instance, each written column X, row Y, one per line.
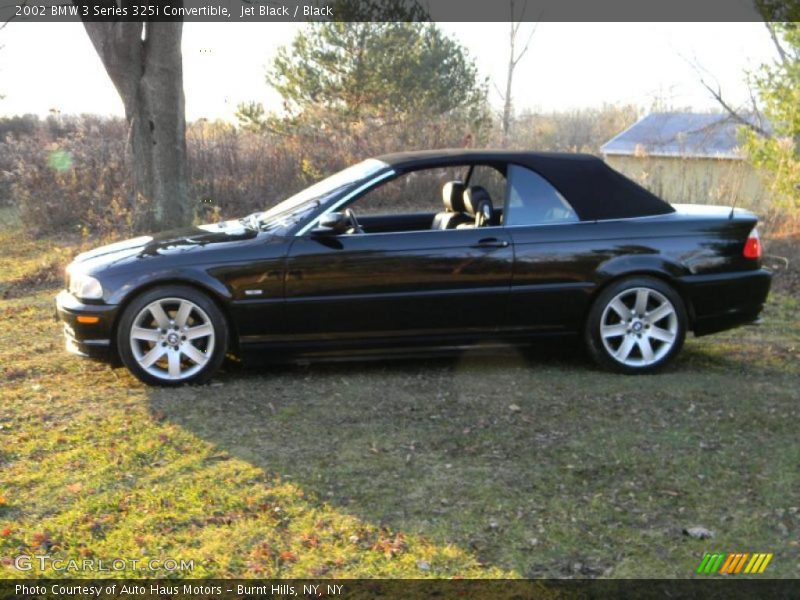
column 478, row 205
column 453, row 215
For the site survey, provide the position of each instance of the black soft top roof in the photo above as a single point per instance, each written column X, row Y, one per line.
column 595, row 190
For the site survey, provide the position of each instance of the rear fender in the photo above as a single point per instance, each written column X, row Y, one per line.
column 654, row 265
column 630, row 264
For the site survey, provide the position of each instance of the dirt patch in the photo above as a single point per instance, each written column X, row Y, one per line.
column 782, row 256
column 46, row 277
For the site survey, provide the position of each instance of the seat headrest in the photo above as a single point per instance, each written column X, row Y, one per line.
column 475, row 198
column 453, row 196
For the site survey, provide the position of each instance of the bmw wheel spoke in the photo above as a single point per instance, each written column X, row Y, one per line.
column 174, row 361
column 610, row 331
column 662, row 335
column 151, row 357
column 148, row 335
column 183, row 314
column 619, row 307
column 193, row 354
column 159, row 315
column 662, row 311
column 646, row 349
column 200, row 331
column 642, row 296
column 625, row 348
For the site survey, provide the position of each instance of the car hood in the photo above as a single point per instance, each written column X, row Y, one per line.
column 179, row 241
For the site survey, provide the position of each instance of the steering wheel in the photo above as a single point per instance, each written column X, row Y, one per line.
column 354, row 225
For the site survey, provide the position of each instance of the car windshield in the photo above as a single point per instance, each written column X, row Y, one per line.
column 294, row 209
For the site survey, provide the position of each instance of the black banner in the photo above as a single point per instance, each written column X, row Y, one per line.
column 358, row 589
column 232, row 11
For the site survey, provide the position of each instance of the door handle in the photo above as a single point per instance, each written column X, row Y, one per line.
column 490, row 243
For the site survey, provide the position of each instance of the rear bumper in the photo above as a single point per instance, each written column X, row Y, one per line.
column 92, row 340
column 725, row 300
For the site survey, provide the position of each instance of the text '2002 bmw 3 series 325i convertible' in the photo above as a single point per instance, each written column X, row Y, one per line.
column 437, row 249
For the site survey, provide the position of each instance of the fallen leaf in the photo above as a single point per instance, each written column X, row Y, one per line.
column 698, row 533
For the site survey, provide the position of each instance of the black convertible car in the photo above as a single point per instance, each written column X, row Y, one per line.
column 418, row 250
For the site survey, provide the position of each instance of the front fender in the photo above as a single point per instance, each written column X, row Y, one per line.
column 196, row 276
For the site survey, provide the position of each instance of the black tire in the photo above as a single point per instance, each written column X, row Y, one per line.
column 203, row 312
column 640, row 342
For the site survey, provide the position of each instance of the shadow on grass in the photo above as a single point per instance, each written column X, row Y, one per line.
column 533, row 459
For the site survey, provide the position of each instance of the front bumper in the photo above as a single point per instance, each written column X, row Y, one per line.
column 725, row 300
column 84, row 336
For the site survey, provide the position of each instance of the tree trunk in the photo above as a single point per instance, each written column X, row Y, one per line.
column 144, row 62
column 508, row 106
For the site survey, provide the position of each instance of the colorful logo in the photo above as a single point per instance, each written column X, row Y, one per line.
column 733, row 563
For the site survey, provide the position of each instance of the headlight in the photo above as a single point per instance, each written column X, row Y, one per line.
column 83, row 286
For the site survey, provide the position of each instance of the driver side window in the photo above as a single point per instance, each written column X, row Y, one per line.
column 414, row 192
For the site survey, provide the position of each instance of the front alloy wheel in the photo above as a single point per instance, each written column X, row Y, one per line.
column 172, row 336
column 636, row 325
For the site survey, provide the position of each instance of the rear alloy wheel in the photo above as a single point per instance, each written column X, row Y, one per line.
column 171, row 336
column 636, row 325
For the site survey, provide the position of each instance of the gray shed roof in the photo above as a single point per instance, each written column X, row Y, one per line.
column 689, row 135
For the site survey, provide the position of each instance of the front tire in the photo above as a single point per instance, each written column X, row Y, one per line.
column 636, row 325
column 172, row 335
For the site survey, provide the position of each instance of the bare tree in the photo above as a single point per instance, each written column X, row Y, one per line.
column 144, row 62
column 514, row 59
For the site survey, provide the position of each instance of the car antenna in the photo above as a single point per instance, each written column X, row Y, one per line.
column 733, row 207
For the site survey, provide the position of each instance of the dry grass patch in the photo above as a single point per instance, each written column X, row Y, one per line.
column 521, row 463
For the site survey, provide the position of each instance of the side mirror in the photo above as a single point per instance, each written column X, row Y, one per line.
column 331, row 223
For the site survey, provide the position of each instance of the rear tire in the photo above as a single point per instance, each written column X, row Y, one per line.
column 172, row 335
column 636, row 325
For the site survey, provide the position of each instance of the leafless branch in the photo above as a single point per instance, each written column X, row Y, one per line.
column 527, row 44
column 754, row 107
column 778, row 46
column 497, row 89
column 717, row 95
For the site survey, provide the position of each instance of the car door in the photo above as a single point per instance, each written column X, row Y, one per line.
column 442, row 282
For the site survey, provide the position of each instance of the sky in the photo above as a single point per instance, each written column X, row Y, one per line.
column 53, row 66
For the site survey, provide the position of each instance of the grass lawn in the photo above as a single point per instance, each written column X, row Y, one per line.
column 517, row 463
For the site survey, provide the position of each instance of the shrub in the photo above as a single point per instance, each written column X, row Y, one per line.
column 71, row 177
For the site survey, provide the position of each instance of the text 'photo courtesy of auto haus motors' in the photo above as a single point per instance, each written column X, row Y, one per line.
column 514, row 245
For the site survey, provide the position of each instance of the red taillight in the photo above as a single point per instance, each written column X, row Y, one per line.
column 752, row 247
